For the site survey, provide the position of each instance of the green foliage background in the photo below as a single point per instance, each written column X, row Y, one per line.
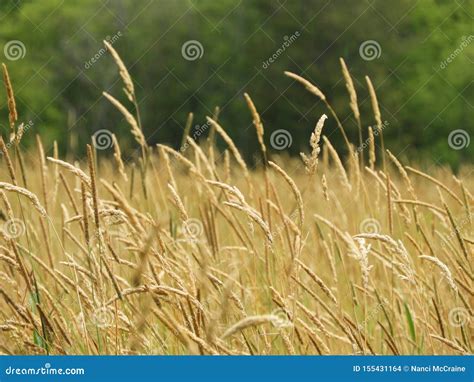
column 421, row 101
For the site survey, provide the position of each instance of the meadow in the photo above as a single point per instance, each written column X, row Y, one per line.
column 191, row 251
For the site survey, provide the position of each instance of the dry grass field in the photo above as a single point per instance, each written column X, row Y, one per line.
column 190, row 251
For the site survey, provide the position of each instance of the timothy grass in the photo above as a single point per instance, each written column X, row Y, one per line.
column 189, row 251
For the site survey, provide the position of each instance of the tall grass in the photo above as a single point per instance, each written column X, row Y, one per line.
column 186, row 251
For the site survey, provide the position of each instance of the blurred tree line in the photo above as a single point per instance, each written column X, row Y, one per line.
column 60, row 79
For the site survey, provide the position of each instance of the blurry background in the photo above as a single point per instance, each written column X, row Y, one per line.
column 190, row 56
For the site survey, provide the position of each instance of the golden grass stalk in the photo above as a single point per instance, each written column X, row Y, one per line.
column 311, row 162
column 75, row 170
column 233, row 148
column 125, row 205
column 85, row 214
column 233, row 190
column 318, row 281
column 456, row 230
column 314, row 90
column 435, row 181
column 377, row 115
column 250, row 322
column 187, row 128
column 253, row 254
column 12, row 113
column 294, row 188
column 166, row 159
column 95, row 197
column 445, row 271
column 353, row 99
column 8, row 206
column 230, row 143
column 255, row 216
column 200, row 153
column 324, row 183
column 375, row 104
column 449, row 343
column 178, row 203
column 257, row 122
column 118, row 158
column 56, row 169
column 43, row 172
column 8, row 161
column 126, row 78
column 28, row 194
column 352, row 92
column 371, row 149
column 308, row 85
